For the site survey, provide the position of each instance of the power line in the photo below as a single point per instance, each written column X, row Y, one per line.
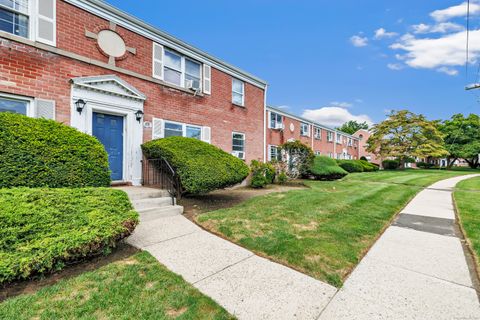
column 468, row 42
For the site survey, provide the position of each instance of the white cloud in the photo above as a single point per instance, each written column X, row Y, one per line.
column 382, row 33
column 442, row 27
column 441, row 53
column 334, row 116
column 449, row 71
column 286, row 108
column 359, row 41
column 341, row 104
column 455, row 11
column 395, row 66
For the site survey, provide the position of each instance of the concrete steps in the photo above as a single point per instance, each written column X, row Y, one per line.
column 152, row 204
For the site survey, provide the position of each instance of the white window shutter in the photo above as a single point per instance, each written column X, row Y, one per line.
column 269, row 119
column 158, row 130
column 207, row 79
column 269, row 155
column 46, row 24
column 157, row 61
column 44, row 109
column 206, row 134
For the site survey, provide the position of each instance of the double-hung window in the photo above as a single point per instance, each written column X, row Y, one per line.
column 274, row 153
column 329, row 136
column 339, row 138
column 318, row 133
column 276, row 121
column 238, row 145
column 304, row 129
column 350, row 142
column 238, row 92
column 181, row 71
column 175, row 129
column 14, row 105
column 318, row 153
column 14, row 17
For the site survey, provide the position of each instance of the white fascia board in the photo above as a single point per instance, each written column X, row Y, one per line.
column 110, row 13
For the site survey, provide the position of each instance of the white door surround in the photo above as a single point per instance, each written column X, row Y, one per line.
column 109, row 94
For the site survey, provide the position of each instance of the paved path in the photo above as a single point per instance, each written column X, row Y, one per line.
column 246, row 285
column 416, row 270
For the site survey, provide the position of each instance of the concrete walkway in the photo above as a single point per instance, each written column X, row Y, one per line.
column 416, row 270
column 246, row 285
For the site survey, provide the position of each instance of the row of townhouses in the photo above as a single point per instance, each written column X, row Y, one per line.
column 87, row 64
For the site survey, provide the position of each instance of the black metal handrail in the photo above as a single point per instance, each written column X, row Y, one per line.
column 158, row 173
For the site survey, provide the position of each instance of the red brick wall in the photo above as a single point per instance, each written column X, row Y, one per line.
column 363, row 136
column 31, row 72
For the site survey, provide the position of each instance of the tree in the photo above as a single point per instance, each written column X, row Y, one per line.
column 406, row 135
column 353, row 126
column 462, row 138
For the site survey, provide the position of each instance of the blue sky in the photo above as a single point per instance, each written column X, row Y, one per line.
column 336, row 60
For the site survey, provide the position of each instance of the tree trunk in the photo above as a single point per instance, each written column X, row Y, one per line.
column 402, row 163
column 473, row 163
column 450, row 163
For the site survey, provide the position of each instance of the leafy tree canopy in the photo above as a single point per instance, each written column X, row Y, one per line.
column 353, row 126
column 404, row 135
column 462, row 138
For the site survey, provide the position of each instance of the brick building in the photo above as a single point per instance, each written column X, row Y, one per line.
column 96, row 68
column 363, row 136
column 283, row 126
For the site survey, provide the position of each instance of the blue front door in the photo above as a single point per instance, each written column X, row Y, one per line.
column 109, row 130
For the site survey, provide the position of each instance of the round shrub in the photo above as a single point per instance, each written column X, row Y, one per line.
column 390, row 164
column 325, row 168
column 44, row 229
column 425, row 165
column 262, row 174
column 350, row 166
column 363, row 158
column 45, row 153
column 200, row 166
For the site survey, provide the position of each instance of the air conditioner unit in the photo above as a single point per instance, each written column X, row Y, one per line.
column 190, row 84
column 238, row 154
column 279, row 126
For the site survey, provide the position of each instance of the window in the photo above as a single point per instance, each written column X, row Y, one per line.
column 339, row 156
column 276, row 121
column 318, row 133
column 14, row 17
column 274, row 154
column 339, row 138
column 14, row 105
column 238, row 145
column 330, row 136
column 330, row 154
column 179, row 70
column 318, row 153
column 304, row 129
column 350, row 142
column 174, row 129
column 238, row 92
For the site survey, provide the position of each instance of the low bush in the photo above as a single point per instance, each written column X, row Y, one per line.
column 201, row 167
column 43, row 229
column 282, row 178
column 45, row 153
column 368, row 166
column 325, row 168
column 425, row 165
column 262, row 174
column 363, row 158
column 390, row 164
column 351, row 166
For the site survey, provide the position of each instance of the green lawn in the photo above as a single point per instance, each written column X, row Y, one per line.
column 467, row 200
column 325, row 230
column 137, row 287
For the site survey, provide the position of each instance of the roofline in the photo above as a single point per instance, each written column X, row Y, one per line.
column 134, row 24
column 316, row 124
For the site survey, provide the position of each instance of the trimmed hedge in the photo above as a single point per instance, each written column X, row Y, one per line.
column 325, row 168
column 351, row 166
column 45, row 153
column 201, row 167
column 368, row 166
column 391, row 164
column 425, row 165
column 263, row 174
column 43, row 229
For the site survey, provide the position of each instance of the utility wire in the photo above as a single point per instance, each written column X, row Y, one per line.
column 468, row 42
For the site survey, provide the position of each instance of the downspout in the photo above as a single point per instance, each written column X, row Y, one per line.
column 265, row 124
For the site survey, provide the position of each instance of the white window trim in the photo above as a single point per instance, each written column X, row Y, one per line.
column 270, row 146
column 278, row 124
column 31, row 19
column 330, row 136
column 306, row 133
column 184, row 127
column 319, row 135
column 244, row 144
column 182, row 70
column 240, row 93
column 30, row 112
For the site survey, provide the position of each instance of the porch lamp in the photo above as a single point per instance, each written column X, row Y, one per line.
column 80, row 104
column 139, row 115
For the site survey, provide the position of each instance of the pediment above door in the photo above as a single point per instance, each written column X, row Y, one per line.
column 111, row 85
